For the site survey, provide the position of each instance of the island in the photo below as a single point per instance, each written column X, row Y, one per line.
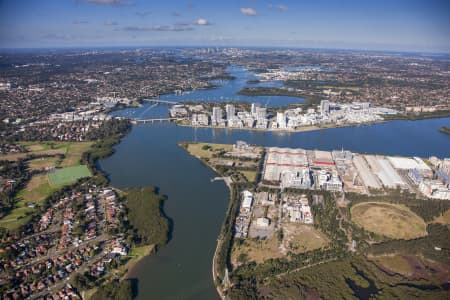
column 297, row 215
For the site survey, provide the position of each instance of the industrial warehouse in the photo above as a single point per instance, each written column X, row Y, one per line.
column 262, row 212
column 338, row 171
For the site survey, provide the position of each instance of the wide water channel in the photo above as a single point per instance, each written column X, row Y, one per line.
column 149, row 155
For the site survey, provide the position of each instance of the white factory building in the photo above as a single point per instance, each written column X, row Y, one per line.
column 280, row 160
column 385, row 171
column 247, row 200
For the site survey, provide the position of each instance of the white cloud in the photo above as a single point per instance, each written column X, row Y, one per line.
column 201, row 22
column 281, row 7
column 248, row 11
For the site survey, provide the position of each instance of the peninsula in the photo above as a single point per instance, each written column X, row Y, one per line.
column 315, row 211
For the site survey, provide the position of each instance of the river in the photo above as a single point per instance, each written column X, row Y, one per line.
column 149, row 155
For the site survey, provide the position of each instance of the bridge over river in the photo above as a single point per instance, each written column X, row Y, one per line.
column 151, row 120
column 159, row 101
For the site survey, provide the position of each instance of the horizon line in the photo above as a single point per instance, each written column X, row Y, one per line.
column 92, row 47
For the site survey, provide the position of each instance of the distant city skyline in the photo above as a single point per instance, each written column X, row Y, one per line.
column 399, row 25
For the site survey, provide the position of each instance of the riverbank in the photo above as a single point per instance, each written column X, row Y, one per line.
column 280, row 130
column 228, row 182
column 146, row 227
column 136, row 254
column 220, row 265
column 419, row 116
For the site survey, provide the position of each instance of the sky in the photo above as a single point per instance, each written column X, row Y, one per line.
column 401, row 25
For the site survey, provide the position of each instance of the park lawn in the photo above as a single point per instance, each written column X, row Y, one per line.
column 71, row 150
column 37, row 189
column 74, row 151
column 141, row 251
column 43, row 163
column 42, row 185
column 249, row 175
column 47, row 148
column 68, row 175
column 135, row 255
column 390, row 220
column 196, row 149
column 16, row 218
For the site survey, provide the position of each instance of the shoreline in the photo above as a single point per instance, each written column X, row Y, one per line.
column 134, row 261
column 227, row 181
column 308, row 128
column 277, row 130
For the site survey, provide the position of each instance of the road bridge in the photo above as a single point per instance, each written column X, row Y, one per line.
column 159, row 101
column 152, row 120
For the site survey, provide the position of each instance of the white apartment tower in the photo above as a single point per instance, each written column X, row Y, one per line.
column 216, row 115
column 324, row 107
column 230, row 110
column 281, row 120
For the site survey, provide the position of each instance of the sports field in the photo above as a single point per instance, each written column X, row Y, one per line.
column 66, row 155
column 68, row 175
column 390, row 220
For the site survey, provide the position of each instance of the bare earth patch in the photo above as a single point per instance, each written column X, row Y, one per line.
column 444, row 219
column 298, row 238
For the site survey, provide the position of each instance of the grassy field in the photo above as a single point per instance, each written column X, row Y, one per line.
column 249, row 175
column 43, row 163
column 37, row 189
column 73, row 154
column 136, row 254
column 68, row 175
column 298, row 238
column 301, row 238
column 257, row 250
column 394, row 263
column 41, row 186
column 196, row 149
column 16, row 218
column 394, row 221
column 71, row 150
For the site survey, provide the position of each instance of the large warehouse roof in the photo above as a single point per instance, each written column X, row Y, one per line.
column 405, row 163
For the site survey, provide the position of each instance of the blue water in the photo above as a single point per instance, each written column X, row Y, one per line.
column 229, row 88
